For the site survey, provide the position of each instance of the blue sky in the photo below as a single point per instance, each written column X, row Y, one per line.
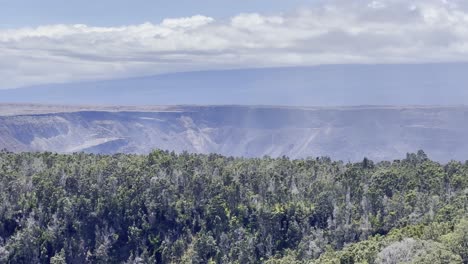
column 56, row 41
column 19, row 13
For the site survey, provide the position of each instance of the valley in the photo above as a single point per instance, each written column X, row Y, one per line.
column 345, row 133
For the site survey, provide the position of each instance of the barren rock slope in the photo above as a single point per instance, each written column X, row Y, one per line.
column 347, row 133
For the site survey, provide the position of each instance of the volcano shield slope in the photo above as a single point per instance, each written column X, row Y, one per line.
column 346, row 133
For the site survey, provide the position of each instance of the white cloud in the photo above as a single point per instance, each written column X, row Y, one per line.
column 252, row 21
column 360, row 31
column 187, row 22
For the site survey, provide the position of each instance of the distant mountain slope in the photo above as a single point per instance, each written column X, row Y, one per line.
column 322, row 85
column 349, row 133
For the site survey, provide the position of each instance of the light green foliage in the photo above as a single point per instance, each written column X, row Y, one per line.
column 457, row 241
column 58, row 258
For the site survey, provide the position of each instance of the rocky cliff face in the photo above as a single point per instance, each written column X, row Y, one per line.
column 380, row 133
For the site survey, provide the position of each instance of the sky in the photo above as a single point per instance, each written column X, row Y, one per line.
column 54, row 41
column 19, row 13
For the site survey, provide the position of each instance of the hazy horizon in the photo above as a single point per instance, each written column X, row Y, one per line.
column 325, row 85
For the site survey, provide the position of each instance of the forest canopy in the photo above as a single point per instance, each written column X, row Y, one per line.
column 192, row 208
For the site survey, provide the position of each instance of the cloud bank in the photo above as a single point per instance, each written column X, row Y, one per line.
column 337, row 32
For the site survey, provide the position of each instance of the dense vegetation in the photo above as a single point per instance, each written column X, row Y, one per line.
column 189, row 208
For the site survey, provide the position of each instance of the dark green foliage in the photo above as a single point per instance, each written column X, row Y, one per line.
column 189, row 208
